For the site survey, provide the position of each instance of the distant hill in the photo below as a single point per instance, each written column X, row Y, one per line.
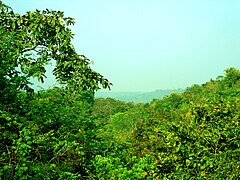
column 136, row 97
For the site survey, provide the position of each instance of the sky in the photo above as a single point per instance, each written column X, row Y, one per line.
column 144, row 45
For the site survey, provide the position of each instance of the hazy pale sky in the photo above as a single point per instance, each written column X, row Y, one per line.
column 144, row 45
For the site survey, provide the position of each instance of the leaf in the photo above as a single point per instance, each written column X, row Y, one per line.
column 188, row 162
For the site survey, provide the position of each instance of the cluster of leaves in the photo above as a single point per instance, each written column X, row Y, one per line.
column 30, row 41
column 53, row 139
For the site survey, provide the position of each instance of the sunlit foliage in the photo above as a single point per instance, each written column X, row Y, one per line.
column 64, row 133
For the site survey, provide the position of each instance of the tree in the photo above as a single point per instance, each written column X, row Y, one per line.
column 30, row 41
column 104, row 108
column 232, row 76
column 49, row 133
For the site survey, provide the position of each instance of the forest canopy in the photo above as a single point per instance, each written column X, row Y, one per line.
column 32, row 40
column 66, row 133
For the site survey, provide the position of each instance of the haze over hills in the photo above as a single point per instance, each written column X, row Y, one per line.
column 136, row 97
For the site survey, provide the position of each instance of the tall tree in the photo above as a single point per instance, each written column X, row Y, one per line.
column 31, row 41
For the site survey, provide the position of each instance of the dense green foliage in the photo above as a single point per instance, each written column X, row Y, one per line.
column 29, row 42
column 64, row 133
column 193, row 135
column 47, row 134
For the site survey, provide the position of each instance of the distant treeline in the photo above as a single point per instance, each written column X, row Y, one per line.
column 137, row 97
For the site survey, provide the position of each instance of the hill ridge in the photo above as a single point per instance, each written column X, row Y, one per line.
column 137, row 96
